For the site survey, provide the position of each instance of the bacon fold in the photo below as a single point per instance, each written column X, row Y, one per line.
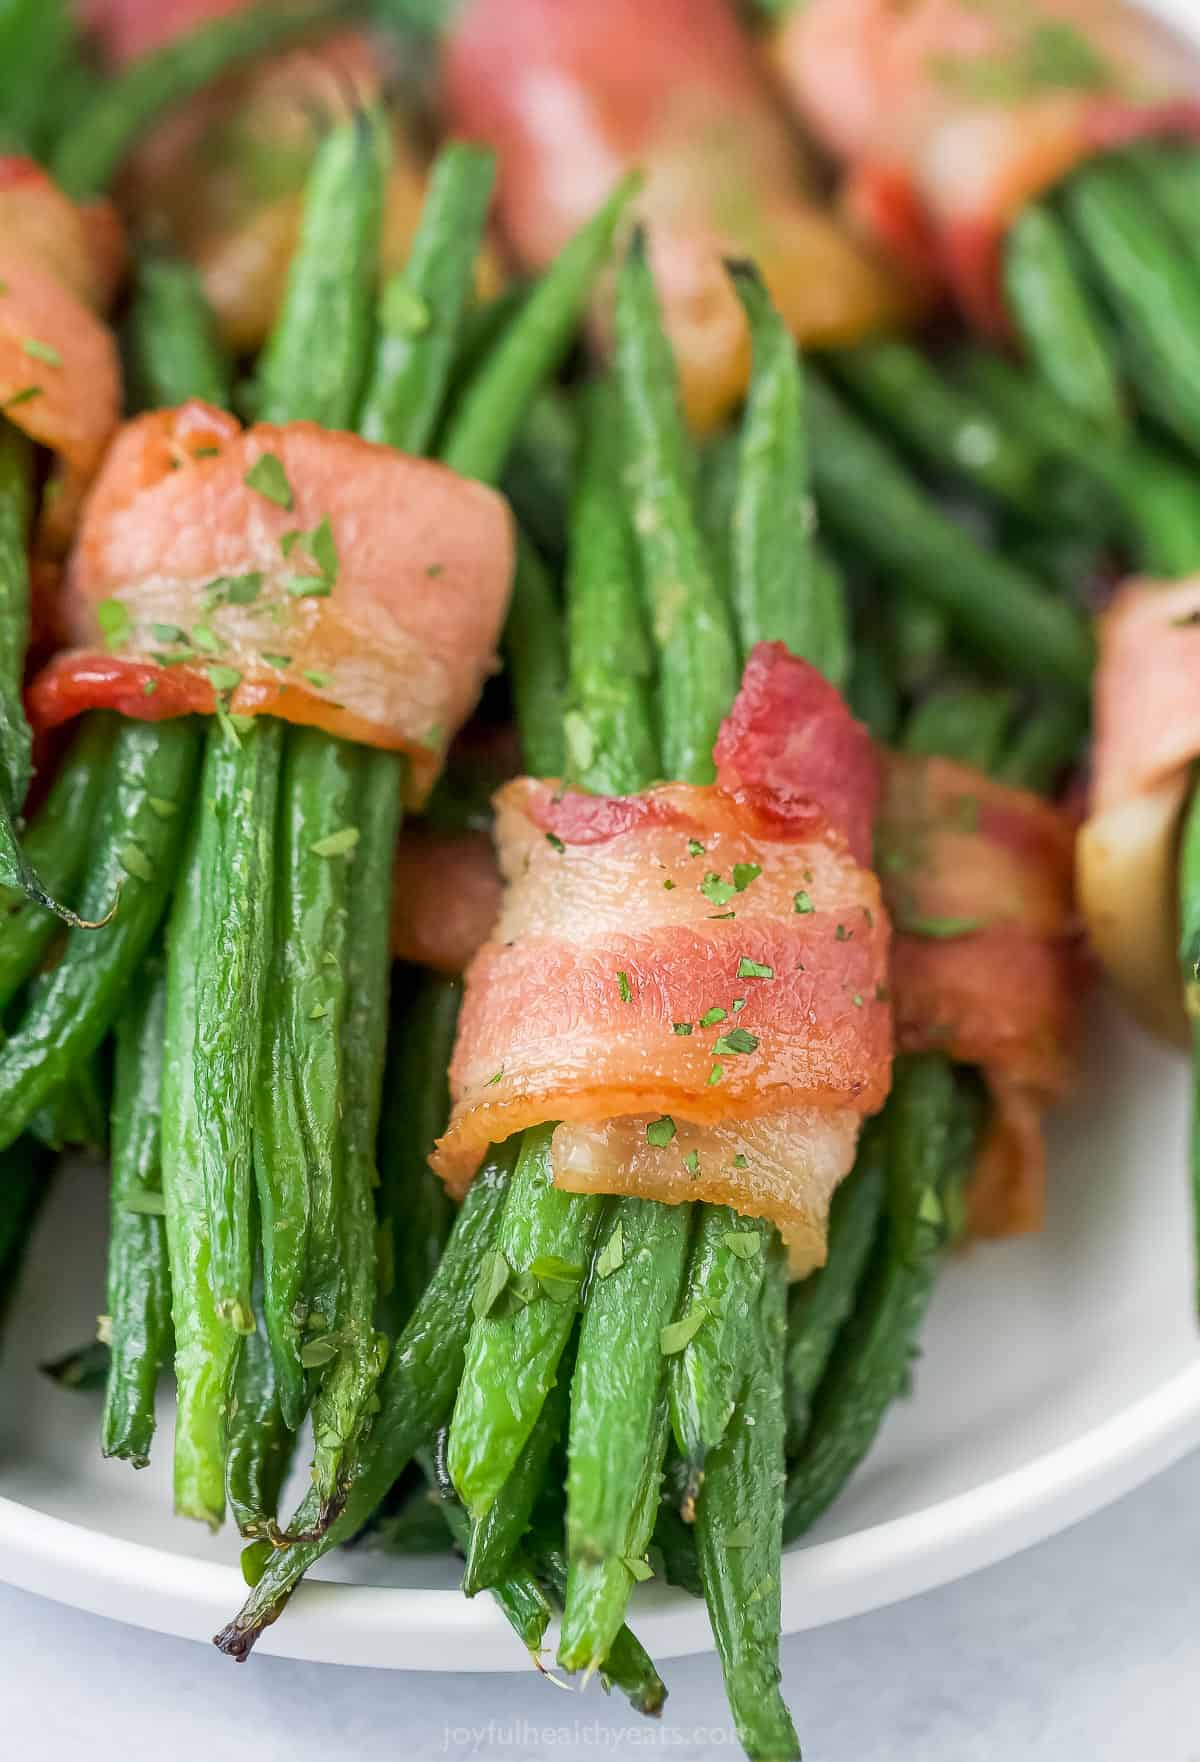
column 369, row 606
column 711, row 957
column 986, row 960
column 573, row 93
column 951, row 115
column 59, row 375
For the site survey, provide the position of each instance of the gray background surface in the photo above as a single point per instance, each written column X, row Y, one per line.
column 1086, row 1649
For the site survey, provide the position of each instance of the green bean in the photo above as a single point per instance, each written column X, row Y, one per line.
column 422, row 305
column 493, row 405
column 36, row 41
column 1063, row 333
column 619, row 1422
column 820, row 1304
column 414, row 1207
column 536, row 656
column 1170, row 174
column 540, row 475
column 698, row 673
column 55, row 845
column 1151, row 285
column 24, row 1167
column 773, row 561
column 739, row 1523
column 315, row 362
column 342, row 1404
column 872, row 502
column 942, row 424
column 133, row 856
column 495, row 1538
column 1047, row 741
column 673, row 1545
column 519, row 1595
column 235, row 871
column 77, row 1113
column 1189, row 960
column 718, row 463
column 206, row 1349
column 922, row 1153
column 970, row 722
column 628, row 1666
column 831, row 616
column 173, row 343
column 258, row 1444
column 90, row 152
column 919, row 640
column 514, row 1348
column 872, row 691
column 139, row 1282
column 416, row 1392
column 706, row 1378
column 1156, row 498
column 611, row 747
column 414, row 1526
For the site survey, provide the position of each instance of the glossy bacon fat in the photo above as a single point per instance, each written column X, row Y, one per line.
column 691, row 980
column 59, row 376
column 573, row 93
column 288, row 570
column 951, row 115
column 1147, row 734
column 985, row 958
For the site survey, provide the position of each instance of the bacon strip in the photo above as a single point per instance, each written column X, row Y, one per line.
column 369, row 607
column 1147, row 733
column 59, row 375
column 572, row 93
column 446, row 894
column 986, row 961
column 714, row 955
column 951, row 115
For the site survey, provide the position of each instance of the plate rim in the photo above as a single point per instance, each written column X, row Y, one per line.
column 402, row 1628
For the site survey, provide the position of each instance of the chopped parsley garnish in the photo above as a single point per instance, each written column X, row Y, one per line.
column 842, row 934
column 41, row 351
column 205, row 637
column 494, row 1273
column 669, row 885
column 857, row 1000
column 135, row 862
column 741, row 1535
column 162, row 808
column 695, row 848
column 713, row 1015
column 737, row 1040
column 168, row 633
column 234, row 590
column 802, row 903
column 559, row 1279
column 336, row 844
column 223, row 678
column 494, row 1079
column 115, row 623
column 660, row 1132
column 318, row 545
column 715, row 1075
column 555, row 842
column 279, row 661
column 739, row 1003
column 691, row 1162
column 744, row 874
column 682, row 1027
column 317, row 680
column 740, row 1162
column 715, row 890
column 675, row 1336
column 623, row 987
column 402, row 312
column 748, row 969
column 713, row 917
column 943, row 928
column 269, row 478
column 639, row 1570
column 612, row 1256
column 26, row 395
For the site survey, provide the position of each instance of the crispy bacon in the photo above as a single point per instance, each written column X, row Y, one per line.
column 369, row 606
column 572, row 93
column 951, row 115
column 1147, row 734
column 59, row 375
column 446, row 894
column 715, row 956
column 986, row 960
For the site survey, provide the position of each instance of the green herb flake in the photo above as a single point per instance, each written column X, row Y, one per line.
column 317, row 680
column 555, row 842
column 168, row 633
column 494, row 1079
column 691, row 1163
column 669, row 885
column 206, row 452
column 660, row 1132
column 402, row 312
column 234, row 590
column 494, row 1274
column 739, row 1003
column 26, row 395
column 712, row 1016
column 682, row 1027
column 336, row 844
column 306, row 587
column 135, row 862
column 41, row 351
column 433, row 570
column 802, row 903
column 278, row 661
column 149, row 687
column 223, row 678
column 748, row 969
column 165, row 810
column 560, row 1279
column 623, row 987
column 143, row 1202
column 639, row 1570
column 763, row 1588
column 741, row 1535
column 715, row 1075
column 315, row 1353
column 744, row 874
column 716, row 891
column 612, row 1256
column 745, row 1244
column 942, row 929
column 205, row 637
column 737, row 1040
column 930, row 1210
column 116, row 626
column 740, row 1162
column 842, row 934
column 695, row 848
column 714, row 916
column 676, row 1335
column 318, row 1011
column 857, row 1000
column 269, row 478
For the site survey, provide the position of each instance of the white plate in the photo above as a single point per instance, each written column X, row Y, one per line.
column 1057, row 1374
